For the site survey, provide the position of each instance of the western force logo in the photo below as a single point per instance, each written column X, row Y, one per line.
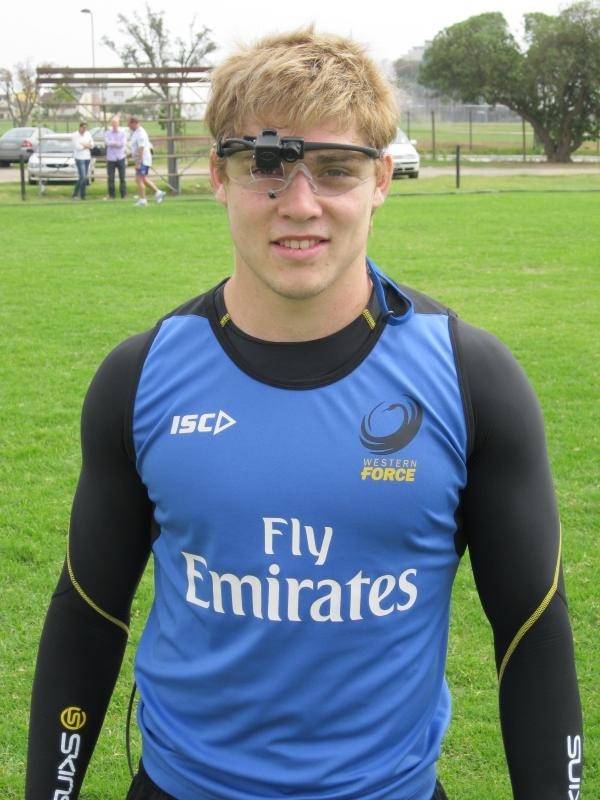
column 213, row 422
column 389, row 428
column 73, row 718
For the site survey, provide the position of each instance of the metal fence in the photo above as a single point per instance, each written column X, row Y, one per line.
column 176, row 130
column 477, row 129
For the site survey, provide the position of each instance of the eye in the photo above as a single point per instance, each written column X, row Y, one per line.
column 266, row 172
column 337, row 166
column 336, row 171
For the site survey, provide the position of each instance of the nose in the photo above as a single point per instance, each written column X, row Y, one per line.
column 299, row 200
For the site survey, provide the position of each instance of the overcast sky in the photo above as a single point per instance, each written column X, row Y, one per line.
column 56, row 32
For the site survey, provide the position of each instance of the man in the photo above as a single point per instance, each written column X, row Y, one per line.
column 115, row 140
column 307, row 450
column 82, row 152
column 141, row 150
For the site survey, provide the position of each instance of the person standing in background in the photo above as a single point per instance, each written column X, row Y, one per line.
column 115, row 140
column 141, row 150
column 82, row 151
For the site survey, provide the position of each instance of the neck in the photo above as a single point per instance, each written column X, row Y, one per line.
column 276, row 318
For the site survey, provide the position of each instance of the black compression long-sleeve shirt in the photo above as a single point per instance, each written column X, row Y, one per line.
column 508, row 520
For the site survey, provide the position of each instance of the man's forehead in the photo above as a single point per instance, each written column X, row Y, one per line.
column 326, row 131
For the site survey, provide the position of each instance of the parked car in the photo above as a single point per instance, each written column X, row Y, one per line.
column 99, row 146
column 18, row 142
column 406, row 159
column 53, row 161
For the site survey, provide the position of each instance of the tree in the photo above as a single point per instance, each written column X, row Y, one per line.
column 553, row 81
column 61, row 100
column 21, row 92
column 149, row 44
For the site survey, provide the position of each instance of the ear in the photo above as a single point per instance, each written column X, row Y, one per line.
column 217, row 181
column 385, row 170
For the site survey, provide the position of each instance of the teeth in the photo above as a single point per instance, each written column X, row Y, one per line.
column 299, row 244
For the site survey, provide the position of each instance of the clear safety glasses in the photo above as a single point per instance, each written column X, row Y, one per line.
column 268, row 164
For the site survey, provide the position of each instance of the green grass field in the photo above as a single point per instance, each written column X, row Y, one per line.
column 76, row 278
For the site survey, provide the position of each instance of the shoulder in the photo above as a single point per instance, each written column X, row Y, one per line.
column 108, row 403
column 485, row 360
column 500, row 402
column 126, row 360
column 121, row 367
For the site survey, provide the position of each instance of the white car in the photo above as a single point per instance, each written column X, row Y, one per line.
column 406, row 159
column 53, row 161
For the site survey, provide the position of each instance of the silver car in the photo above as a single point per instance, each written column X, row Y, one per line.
column 18, row 142
column 53, row 161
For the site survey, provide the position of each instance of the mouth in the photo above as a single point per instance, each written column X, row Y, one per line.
column 299, row 244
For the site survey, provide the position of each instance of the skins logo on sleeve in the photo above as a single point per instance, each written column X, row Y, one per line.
column 574, row 752
column 72, row 719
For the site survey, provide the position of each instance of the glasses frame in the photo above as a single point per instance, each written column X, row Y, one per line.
column 288, row 148
column 270, row 151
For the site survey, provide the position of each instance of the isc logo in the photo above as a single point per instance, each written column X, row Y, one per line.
column 211, row 422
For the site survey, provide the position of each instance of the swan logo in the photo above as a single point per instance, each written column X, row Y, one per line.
column 389, row 427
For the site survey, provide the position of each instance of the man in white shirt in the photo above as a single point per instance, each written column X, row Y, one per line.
column 82, row 151
column 142, row 153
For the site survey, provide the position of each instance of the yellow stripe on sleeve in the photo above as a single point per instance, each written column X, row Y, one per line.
column 119, row 623
column 529, row 623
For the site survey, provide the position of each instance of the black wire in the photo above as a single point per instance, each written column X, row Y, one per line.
column 128, row 730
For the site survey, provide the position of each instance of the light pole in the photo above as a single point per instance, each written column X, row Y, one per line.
column 88, row 11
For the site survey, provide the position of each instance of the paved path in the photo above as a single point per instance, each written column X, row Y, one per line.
column 12, row 174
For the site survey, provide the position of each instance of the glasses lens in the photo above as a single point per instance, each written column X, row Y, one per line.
column 338, row 171
column 242, row 169
column 332, row 172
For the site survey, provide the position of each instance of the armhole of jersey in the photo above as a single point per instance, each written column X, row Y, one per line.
column 464, row 388
column 531, row 620
column 128, row 440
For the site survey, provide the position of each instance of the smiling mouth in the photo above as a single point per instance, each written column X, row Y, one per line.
column 299, row 244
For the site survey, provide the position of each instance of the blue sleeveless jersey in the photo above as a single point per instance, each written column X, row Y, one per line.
column 303, row 569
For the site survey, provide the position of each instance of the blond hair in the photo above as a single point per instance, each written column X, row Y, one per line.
column 298, row 80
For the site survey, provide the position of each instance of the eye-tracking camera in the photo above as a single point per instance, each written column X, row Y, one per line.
column 270, row 149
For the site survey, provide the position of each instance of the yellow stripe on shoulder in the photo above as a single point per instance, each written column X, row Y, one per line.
column 530, row 622
column 119, row 623
column 369, row 318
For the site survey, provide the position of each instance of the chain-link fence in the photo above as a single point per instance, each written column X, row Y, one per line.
column 479, row 130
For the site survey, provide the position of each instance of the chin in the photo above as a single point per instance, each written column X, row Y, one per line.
column 300, row 287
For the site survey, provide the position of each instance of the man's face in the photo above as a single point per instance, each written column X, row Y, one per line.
column 300, row 244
